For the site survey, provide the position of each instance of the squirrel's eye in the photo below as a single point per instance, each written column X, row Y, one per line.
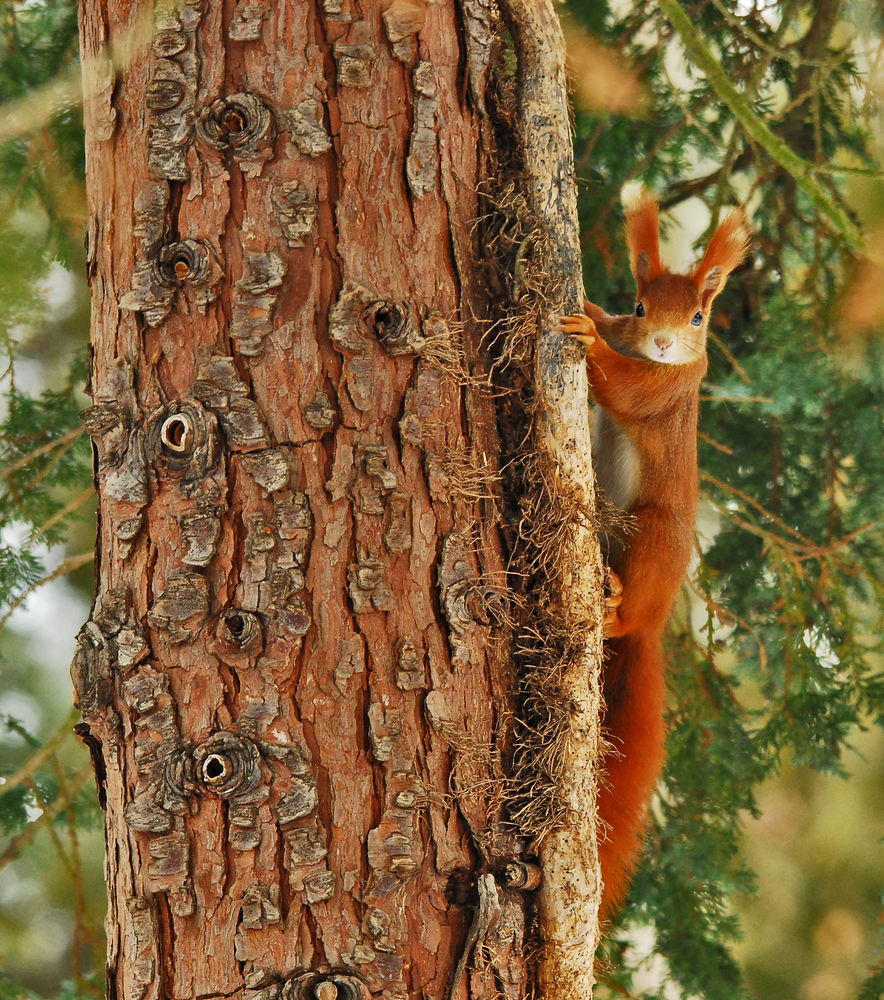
column 697, row 319
column 639, row 309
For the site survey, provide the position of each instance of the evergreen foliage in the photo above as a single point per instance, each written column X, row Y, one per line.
column 44, row 455
column 776, row 658
column 787, row 668
column 41, row 154
column 86, row 989
column 47, row 799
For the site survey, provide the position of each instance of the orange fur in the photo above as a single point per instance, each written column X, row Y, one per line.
column 645, row 371
column 727, row 248
column 642, row 233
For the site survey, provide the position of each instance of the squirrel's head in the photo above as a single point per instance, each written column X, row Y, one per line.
column 672, row 310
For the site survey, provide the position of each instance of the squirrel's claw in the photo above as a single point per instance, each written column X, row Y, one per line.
column 579, row 327
column 613, row 600
column 613, row 589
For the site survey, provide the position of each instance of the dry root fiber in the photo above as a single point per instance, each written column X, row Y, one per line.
column 550, row 637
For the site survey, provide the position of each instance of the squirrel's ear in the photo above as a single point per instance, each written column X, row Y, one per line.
column 728, row 247
column 643, row 235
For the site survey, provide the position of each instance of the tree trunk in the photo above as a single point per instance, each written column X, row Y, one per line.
column 295, row 680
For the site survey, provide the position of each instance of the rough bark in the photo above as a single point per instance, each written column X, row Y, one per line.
column 292, row 680
column 569, row 897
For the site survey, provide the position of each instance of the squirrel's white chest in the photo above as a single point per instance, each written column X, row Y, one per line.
column 614, row 459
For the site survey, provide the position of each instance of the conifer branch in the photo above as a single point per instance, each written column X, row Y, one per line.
column 39, row 757
column 18, row 843
column 802, row 171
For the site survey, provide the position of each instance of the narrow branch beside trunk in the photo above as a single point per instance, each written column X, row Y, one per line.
column 569, row 897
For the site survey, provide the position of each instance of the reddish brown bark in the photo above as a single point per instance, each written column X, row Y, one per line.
column 290, row 669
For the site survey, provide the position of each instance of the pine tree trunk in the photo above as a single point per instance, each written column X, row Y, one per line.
column 295, row 680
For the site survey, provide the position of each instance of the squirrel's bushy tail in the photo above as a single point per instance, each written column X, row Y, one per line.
column 633, row 721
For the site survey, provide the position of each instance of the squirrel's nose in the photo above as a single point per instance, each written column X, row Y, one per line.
column 664, row 343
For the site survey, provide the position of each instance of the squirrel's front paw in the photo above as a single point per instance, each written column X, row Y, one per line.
column 580, row 328
column 613, row 599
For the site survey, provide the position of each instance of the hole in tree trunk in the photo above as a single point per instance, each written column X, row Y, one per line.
column 215, row 768
column 175, row 434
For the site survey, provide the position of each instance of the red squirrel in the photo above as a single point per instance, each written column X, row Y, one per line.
column 645, row 371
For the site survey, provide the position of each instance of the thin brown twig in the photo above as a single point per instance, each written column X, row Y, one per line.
column 52, row 833
column 735, row 399
column 67, row 566
column 46, row 472
column 729, row 355
column 755, row 505
column 723, row 612
column 68, row 508
column 19, row 463
column 39, row 757
column 723, row 448
column 24, row 838
column 81, row 934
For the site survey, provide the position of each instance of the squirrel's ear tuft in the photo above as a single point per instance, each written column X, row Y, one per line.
column 642, row 235
column 727, row 249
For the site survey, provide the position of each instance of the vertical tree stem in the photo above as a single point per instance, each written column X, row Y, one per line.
column 569, row 897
